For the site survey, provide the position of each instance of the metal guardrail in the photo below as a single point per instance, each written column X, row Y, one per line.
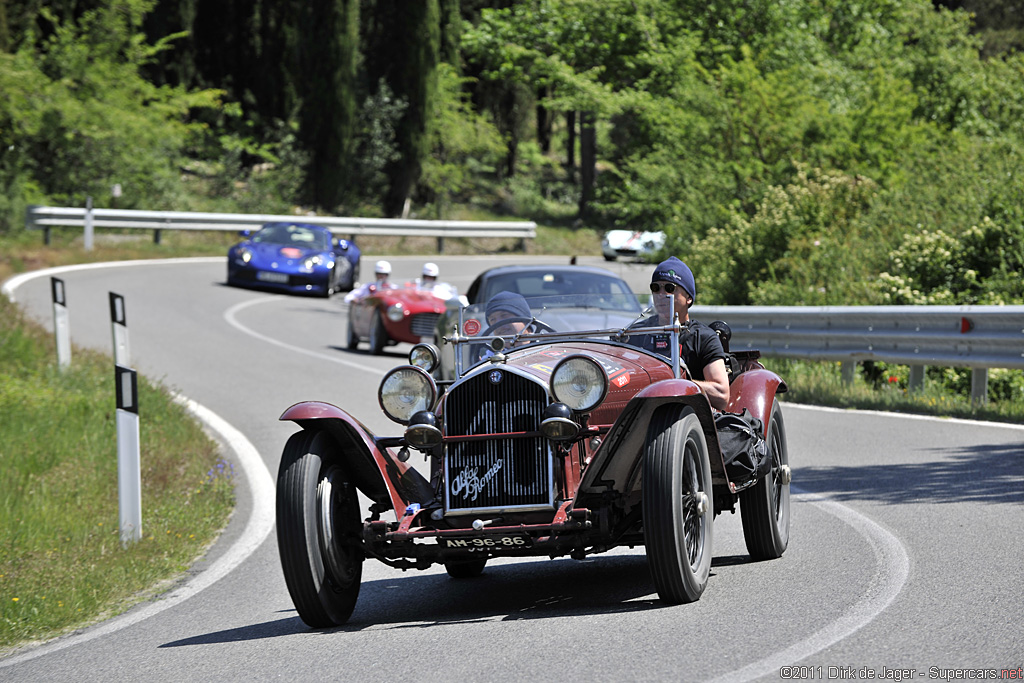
column 45, row 217
column 976, row 337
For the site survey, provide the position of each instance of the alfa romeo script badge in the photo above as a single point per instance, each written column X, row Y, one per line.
column 495, row 376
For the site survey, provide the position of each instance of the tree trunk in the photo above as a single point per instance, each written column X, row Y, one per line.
column 415, row 47
column 570, row 145
column 588, row 161
column 543, row 120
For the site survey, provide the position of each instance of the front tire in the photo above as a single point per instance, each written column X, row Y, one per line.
column 378, row 335
column 353, row 338
column 677, row 503
column 318, row 530
column 764, row 507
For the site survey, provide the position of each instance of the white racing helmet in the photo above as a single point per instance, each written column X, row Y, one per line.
column 382, row 268
column 431, row 270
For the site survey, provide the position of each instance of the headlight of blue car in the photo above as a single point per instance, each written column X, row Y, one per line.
column 243, row 255
column 311, row 262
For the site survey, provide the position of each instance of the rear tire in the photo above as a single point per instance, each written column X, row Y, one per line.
column 677, row 500
column 466, row 569
column 378, row 335
column 318, row 530
column 764, row 507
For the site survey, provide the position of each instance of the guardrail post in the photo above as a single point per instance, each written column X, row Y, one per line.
column 87, row 238
column 916, row 380
column 119, row 327
column 846, row 370
column 156, row 236
column 440, row 245
column 129, row 474
column 61, row 327
column 979, row 386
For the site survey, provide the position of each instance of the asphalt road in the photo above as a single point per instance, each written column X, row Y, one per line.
column 905, row 549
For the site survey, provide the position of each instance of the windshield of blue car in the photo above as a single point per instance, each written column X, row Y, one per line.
column 294, row 235
column 545, row 283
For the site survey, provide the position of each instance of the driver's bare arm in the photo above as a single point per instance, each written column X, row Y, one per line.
column 715, row 384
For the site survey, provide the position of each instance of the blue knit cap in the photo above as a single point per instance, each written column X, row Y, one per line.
column 674, row 270
column 510, row 302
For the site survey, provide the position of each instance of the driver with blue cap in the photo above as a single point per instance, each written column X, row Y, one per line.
column 699, row 345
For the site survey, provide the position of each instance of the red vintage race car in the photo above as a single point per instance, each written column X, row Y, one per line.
column 384, row 316
column 556, row 443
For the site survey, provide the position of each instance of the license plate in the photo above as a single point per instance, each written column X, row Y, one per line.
column 487, row 542
column 264, row 276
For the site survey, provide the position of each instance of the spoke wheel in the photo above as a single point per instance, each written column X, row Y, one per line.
column 318, row 530
column 677, row 504
column 764, row 507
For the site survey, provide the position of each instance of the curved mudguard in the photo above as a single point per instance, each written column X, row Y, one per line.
column 375, row 471
column 755, row 390
column 615, row 466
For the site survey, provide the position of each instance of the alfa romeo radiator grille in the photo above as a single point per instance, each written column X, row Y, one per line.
column 423, row 324
column 496, row 472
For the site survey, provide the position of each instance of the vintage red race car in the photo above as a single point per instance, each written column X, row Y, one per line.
column 384, row 316
column 556, row 443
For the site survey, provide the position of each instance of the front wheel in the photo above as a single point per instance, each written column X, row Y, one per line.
column 353, row 338
column 378, row 335
column 677, row 501
column 318, row 530
column 764, row 507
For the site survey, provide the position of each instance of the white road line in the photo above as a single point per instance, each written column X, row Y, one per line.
column 893, row 570
column 14, row 282
column 257, row 528
column 230, row 314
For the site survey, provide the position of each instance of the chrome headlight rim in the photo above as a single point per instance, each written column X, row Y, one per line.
column 425, row 356
column 422, row 432
column 597, row 388
column 422, row 397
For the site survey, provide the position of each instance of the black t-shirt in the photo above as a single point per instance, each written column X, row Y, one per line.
column 699, row 344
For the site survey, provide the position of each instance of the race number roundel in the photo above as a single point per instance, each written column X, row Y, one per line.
column 471, row 327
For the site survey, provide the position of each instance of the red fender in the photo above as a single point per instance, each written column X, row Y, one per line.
column 755, row 390
column 616, row 463
column 375, row 470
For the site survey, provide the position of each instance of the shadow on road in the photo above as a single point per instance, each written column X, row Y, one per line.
column 985, row 473
column 505, row 592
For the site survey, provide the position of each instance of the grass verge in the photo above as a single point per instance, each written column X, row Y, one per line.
column 820, row 383
column 62, row 565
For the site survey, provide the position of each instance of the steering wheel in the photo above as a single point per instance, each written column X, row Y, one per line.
column 532, row 325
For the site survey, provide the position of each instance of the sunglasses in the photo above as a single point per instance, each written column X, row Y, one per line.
column 669, row 287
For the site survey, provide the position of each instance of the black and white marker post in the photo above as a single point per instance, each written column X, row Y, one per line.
column 129, row 476
column 119, row 327
column 61, row 328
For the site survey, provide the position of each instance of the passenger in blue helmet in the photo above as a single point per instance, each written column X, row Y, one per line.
column 700, row 348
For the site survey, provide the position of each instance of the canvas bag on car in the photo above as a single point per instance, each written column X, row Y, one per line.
column 743, row 448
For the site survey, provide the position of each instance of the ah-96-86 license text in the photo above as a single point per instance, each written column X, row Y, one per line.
column 898, row 674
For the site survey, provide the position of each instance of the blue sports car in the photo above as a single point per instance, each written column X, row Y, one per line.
column 298, row 258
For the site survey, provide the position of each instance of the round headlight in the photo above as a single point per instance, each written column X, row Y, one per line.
column 245, row 254
column 580, row 383
column 404, row 391
column 395, row 312
column 424, row 356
